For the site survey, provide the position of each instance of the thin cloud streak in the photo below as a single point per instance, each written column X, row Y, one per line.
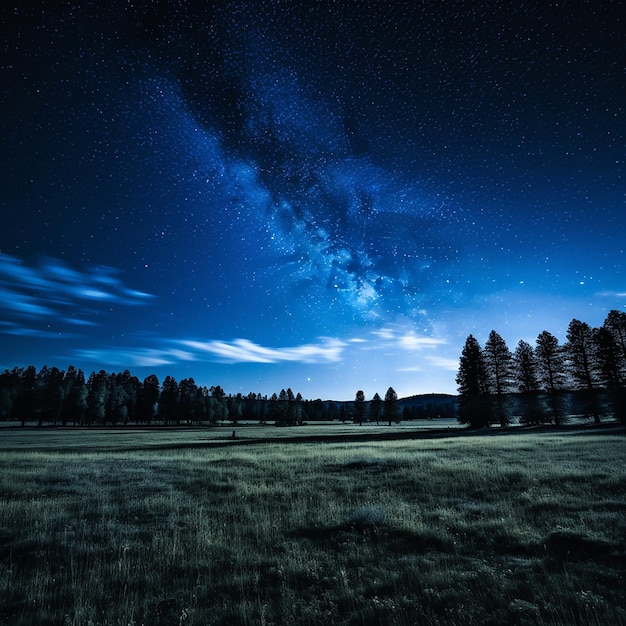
column 140, row 357
column 399, row 338
column 246, row 351
column 451, row 365
column 48, row 291
column 237, row 351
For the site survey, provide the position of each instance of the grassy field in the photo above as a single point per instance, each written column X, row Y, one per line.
column 171, row 528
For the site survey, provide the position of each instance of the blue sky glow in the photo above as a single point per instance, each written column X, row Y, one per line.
column 265, row 195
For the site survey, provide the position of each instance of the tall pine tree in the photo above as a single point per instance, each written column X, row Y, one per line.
column 615, row 323
column 527, row 383
column 499, row 368
column 390, row 406
column 607, row 354
column 551, row 371
column 359, row 407
column 474, row 405
column 581, row 364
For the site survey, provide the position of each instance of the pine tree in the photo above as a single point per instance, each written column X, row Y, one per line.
column 117, row 405
column 75, row 402
column 150, row 392
column 375, row 405
column 169, row 400
column 188, row 389
column 474, row 406
column 359, row 407
column 390, row 407
column 615, row 323
column 499, row 369
column 23, row 385
column 551, row 371
column 97, row 399
column 525, row 367
column 607, row 355
column 581, row 364
column 527, row 383
column 198, row 409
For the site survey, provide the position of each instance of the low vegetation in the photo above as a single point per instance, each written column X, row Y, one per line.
column 495, row 529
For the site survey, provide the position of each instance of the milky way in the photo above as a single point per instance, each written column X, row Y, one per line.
column 327, row 196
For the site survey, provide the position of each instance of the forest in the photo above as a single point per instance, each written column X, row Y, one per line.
column 585, row 376
column 52, row 396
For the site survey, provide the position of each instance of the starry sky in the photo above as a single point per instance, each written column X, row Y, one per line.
column 326, row 195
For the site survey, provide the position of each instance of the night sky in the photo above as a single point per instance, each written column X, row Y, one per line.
column 327, row 196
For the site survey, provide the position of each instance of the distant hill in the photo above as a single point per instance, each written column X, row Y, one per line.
column 429, row 405
column 421, row 406
column 427, row 398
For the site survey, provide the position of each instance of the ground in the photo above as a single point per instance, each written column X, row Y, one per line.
column 429, row 527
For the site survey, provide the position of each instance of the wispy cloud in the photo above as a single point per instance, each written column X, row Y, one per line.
column 443, row 363
column 246, row 351
column 11, row 328
column 141, row 357
column 325, row 350
column 612, row 294
column 54, row 292
column 404, row 339
column 170, row 351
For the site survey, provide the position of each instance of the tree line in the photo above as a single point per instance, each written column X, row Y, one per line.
column 62, row 397
column 539, row 384
column 58, row 397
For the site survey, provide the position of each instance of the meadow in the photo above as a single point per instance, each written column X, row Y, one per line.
column 182, row 528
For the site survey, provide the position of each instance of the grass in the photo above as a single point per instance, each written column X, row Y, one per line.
column 518, row 529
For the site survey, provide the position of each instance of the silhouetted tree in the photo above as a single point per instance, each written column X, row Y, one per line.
column 606, row 358
column 124, row 394
column 390, row 407
column 359, row 407
column 6, row 395
column 150, row 393
column 499, row 369
column 168, row 400
column 216, row 409
column 74, row 396
column 187, row 397
column 24, row 394
column 527, row 383
column 375, row 407
column 97, row 397
column 551, row 370
column 525, row 367
column 607, row 355
column 474, row 406
column 615, row 323
column 133, row 392
column 298, row 408
column 580, row 360
column 199, row 408
column 117, row 405
column 235, row 408
column 50, row 383
column 273, row 409
column 217, row 392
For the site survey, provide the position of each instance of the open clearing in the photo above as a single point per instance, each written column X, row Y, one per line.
column 142, row 438
column 186, row 527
